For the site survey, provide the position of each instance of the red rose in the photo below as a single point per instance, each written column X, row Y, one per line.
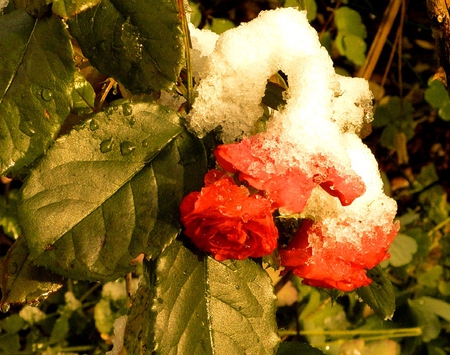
column 287, row 183
column 226, row 221
column 324, row 260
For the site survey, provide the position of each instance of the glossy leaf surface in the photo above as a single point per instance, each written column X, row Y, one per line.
column 202, row 306
column 110, row 190
column 36, row 81
column 138, row 43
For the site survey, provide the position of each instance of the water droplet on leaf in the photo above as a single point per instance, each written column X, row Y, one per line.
column 146, row 142
column 46, row 94
column 27, row 128
column 126, row 148
column 93, row 125
column 127, row 109
column 106, row 145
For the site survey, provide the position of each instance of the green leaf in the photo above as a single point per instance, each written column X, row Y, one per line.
column 138, row 43
column 201, row 306
column 122, row 176
column 351, row 46
column 435, row 306
column 379, row 295
column 392, row 109
column 436, row 94
column 36, row 80
column 83, row 95
column 22, row 281
column 428, row 321
column 402, row 250
column 70, row 8
column 349, row 22
column 292, row 348
column 219, row 25
column 8, row 215
column 444, row 111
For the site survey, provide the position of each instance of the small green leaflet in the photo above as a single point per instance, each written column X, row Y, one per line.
column 402, row 250
column 138, row 43
column 36, row 82
column 202, row 306
column 109, row 191
column 379, row 295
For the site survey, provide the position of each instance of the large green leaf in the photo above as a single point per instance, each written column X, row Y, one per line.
column 36, row 82
column 197, row 305
column 138, row 43
column 23, row 282
column 109, row 191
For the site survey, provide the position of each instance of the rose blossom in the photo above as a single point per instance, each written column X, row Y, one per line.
column 323, row 260
column 259, row 161
column 225, row 220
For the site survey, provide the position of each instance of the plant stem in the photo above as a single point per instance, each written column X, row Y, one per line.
column 187, row 46
column 366, row 334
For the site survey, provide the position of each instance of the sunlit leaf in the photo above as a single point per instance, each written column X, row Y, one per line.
column 348, row 21
column 202, row 306
column 70, row 8
column 22, row 281
column 402, row 250
column 379, row 295
column 220, row 25
column 83, row 95
column 109, row 191
column 36, row 81
column 138, row 43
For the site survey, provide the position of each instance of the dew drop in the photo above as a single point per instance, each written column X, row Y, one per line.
column 237, row 287
column 46, row 94
column 126, row 148
column 106, row 145
column 4, row 308
column 27, row 128
column 132, row 121
column 93, row 125
column 127, row 109
column 146, row 142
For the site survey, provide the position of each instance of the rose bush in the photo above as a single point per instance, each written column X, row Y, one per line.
column 226, row 221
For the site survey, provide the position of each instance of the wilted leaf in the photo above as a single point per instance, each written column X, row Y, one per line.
column 379, row 295
column 202, row 306
column 22, row 281
column 36, row 80
column 109, row 191
column 70, row 8
column 138, row 43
